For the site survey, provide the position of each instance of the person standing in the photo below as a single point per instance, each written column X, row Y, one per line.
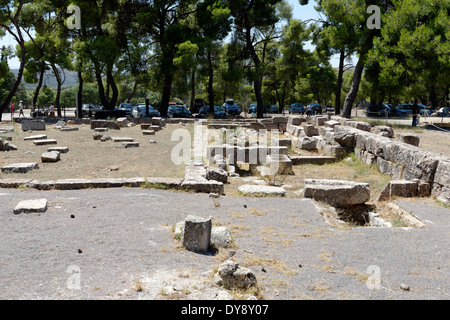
column 21, row 109
column 415, row 112
column 12, row 110
column 52, row 110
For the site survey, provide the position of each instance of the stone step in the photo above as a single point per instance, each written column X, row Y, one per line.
column 44, row 142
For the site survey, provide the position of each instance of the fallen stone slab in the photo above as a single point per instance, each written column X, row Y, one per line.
column 44, row 142
column 6, row 129
column 52, row 156
column 73, row 184
column 34, row 125
column 320, row 121
column 5, row 145
column 127, row 145
column 30, row 206
column 101, row 129
column 196, row 234
column 58, row 149
column 105, row 124
column 337, row 193
column 20, row 167
column 122, row 139
column 37, row 137
column 148, row 132
column 398, row 188
column 69, row 129
column 248, row 189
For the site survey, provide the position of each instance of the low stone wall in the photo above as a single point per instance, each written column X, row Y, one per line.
column 395, row 158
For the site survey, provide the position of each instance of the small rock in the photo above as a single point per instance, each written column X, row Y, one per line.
column 404, row 287
column 152, row 141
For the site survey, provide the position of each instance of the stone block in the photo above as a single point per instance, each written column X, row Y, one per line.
column 196, row 234
column 34, row 125
column 384, row 131
column 20, row 167
column 221, row 237
column 44, row 142
column 52, row 156
column 109, row 124
column 409, row 138
column 122, row 122
column 320, row 121
column 398, row 188
column 58, row 149
column 30, row 206
column 148, row 132
column 310, row 130
column 248, row 189
column 338, row 193
column 37, row 137
column 307, row 143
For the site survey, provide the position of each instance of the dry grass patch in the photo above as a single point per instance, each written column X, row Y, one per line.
column 88, row 158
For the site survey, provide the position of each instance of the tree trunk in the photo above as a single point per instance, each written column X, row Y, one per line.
column 133, row 93
column 337, row 100
column 16, row 84
column 167, row 89
column 101, row 90
column 351, row 95
column 115, row 92
column 210, row 84
column 79, row 95
column 192, row 101
column 39, row 86
column 257, row 84
column 58, row 89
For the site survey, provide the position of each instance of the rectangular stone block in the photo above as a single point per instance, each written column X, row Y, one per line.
column 109, row 124
column 30, row 206
column 44, row 142
column 37, row 137
column 33, row 125
column 59, row 149
column 20, row 167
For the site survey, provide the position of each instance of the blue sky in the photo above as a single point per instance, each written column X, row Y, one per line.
column 299, row 12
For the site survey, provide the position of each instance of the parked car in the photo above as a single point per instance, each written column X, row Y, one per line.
column 88, row 107
column 328, row 108
column 406, row 109
column 380, row 110
column 178, row 111
column 44, row 112
column 316, row 108
column 140, row 111
column 273, row 108
column 231, row 107
column 442, row 112
column 127, row 107
column 297, row 108
column 219, row 112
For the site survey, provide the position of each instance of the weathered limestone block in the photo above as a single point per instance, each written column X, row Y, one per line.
column 221, row 237
column 409, row 138
column 398, row 188
column 261, row 190
column 311, row 130
column 37, row 137
column 296, row 121
column 33, row 125
column 307, row 143
column 20, row 167
column 337, row 193
column 44, row 142
column 105, row 124
column 216, row 174
column 52, row 156
column 384, row 131
column 196, row 235
column 29, row 206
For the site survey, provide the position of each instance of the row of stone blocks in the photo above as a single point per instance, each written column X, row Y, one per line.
column 400, row 160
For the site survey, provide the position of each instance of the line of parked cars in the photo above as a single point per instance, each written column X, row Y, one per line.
column 402, row 110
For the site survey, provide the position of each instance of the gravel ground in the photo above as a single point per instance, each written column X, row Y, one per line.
column 118, row 244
